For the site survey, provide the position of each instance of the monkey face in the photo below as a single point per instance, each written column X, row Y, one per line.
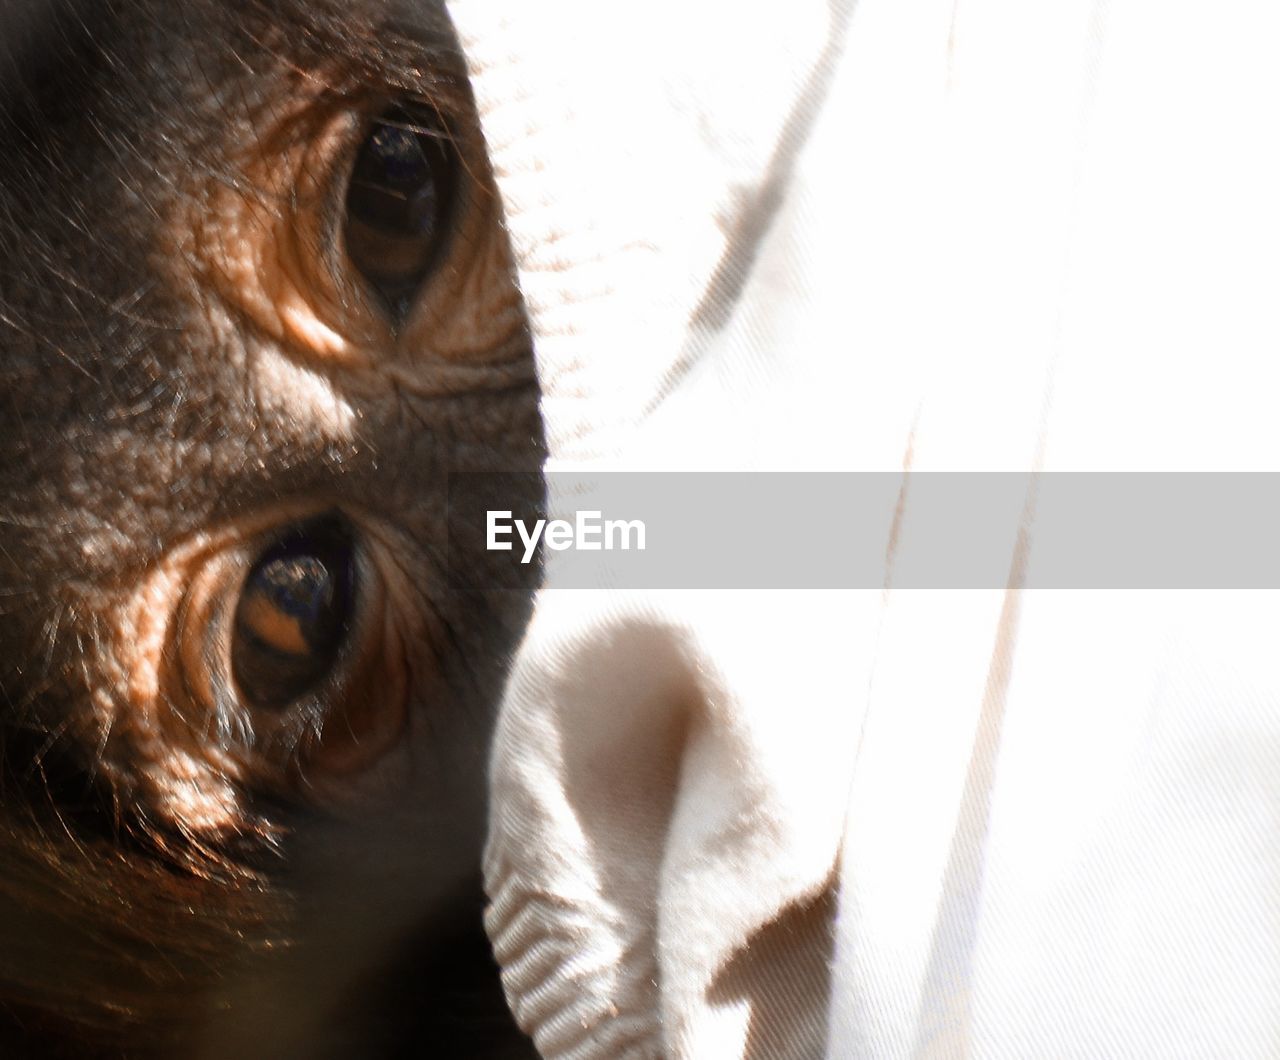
column 256, row 306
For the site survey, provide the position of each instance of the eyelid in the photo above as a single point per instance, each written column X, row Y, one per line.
column 269, row 252
column 343, row 723
column 272, row 256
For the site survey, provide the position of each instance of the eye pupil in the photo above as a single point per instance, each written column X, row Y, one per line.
column 397, row 202
column 288, row 604
column 293, row 615
column 392, row 188
column 396, row 152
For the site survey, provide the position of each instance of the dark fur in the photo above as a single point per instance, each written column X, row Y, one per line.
column 301, row 931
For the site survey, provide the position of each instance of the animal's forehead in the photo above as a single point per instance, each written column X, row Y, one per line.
column 131, row 410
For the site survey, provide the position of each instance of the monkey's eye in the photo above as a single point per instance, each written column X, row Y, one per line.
column 293, row 615
column 289, row 652
column 398, row 201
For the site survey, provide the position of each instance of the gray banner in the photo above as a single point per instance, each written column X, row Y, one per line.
column 861, row 531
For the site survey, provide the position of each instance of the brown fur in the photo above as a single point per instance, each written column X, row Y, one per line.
column 172, row 883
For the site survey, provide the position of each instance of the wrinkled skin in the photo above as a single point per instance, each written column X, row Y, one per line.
column 190, row 367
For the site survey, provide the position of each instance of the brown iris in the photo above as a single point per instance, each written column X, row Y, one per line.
column 293, row 614
column 398, row 202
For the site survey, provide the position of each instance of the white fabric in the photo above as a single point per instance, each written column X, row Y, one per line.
column 935, row 234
